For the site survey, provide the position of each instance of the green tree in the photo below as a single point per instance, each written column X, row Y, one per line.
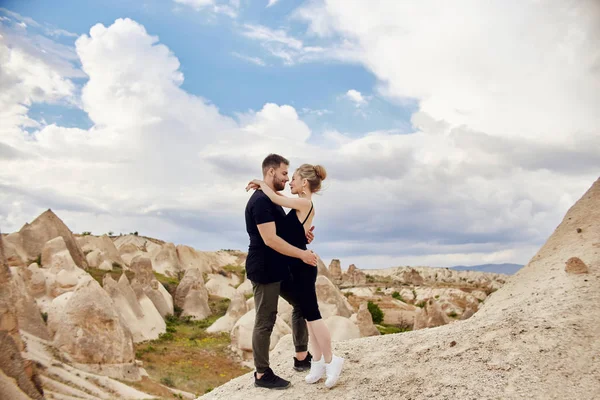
column 376, row 313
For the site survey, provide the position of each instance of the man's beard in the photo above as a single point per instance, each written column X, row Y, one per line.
column 278, row 184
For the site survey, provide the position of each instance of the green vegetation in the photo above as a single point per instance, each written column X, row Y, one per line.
column 235, row 269
column 386, row 329
column 188, row 358
column 170, row 283
column 376, row 313
column 98, row 274
column 45, row 317
column 167, row 381
column 414, row 292
column 398, row 296
column 86, row 233
column 421, row 304
column 452, row 314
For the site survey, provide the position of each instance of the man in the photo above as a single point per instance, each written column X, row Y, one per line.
column 270, row 276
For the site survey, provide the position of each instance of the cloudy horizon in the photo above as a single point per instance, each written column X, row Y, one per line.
column 452, row 135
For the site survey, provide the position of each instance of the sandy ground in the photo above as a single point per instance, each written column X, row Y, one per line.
column 538, row 337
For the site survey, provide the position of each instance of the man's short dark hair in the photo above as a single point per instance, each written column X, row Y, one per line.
column 273, row 161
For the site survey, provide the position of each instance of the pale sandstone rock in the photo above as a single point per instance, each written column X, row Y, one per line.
column 574, row 265
column 62, row 274
column 192, row 296
column 160, row 297
column 166, row 261
column 33, row 237
column 152, row 319
column 156, row 292
column 331, row 299
column 191, row 258
column 103, row 246
column 136, row 309
column 341, row 328
column 56, row 255
column 322, row 269
column 14, row 253
column 245, row 288
column 136, row 243
column 335, row 271
column 141, row 266
column 364, row 321
column 467, row 314
column 89, row 330
column 218, row 285
column 430, row 316
column 36, row 284
column 106, row 265
column 15, row 381
column 94, row 258
column 241, row 334
column 14, row 309
column 28, row 312
column 237, row 309
column 353, row 277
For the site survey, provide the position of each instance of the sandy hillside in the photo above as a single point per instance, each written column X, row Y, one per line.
column 537, row 337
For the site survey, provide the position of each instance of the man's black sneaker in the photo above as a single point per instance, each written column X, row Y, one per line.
column 271, row 381
column 303, row 365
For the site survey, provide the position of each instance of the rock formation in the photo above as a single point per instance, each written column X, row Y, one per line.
column 87, row 328
column 137, row 311
column 18, row 376
column 241, row 334
column 353, row 277
column 335, row 271
column 156, row 292
column 32, row 237
column 574, row 265
column 99, row 249
column 322, row 269
column 430, row 316
column 190, row 258
column 191, row 295
column 166, row 261
column 364, row 321
column 237, row 309
column 331, row 300
column 341, row 328
column 221, row 286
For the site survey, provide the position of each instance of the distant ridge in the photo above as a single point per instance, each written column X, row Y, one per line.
column 507, row 268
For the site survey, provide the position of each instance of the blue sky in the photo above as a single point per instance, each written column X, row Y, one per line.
column 444, row 132
column 209, row 46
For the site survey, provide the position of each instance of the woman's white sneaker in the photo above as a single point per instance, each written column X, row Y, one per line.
column 317, row 370
column 333, row 371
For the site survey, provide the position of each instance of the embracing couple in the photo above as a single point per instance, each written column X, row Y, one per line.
column 279, row 264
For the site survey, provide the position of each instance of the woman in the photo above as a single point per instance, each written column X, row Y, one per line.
column 305, row 182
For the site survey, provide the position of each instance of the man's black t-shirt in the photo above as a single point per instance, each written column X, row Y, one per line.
column 264, row 265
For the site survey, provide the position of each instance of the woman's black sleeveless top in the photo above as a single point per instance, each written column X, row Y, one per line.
column 293, row 232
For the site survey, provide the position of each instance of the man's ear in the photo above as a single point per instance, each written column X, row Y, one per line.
column 271, row 172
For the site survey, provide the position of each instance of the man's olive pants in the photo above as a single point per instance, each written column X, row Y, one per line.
column 266, row 296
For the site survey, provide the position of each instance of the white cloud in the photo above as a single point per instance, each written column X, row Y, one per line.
column 356, row 97
column 286, row 47
column 487, row 67
column 229, row 8
column 253, row 60
column 167, row 163
column 197, row 4
column 318, row 113
column 272, row 3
